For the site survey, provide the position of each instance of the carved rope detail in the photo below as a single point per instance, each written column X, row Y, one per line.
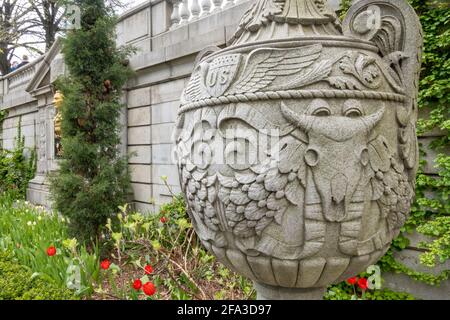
column 291, row 94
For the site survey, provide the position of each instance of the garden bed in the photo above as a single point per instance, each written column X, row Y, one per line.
column 160, row 250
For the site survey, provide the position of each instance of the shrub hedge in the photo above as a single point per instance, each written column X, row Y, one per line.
column 17, row 283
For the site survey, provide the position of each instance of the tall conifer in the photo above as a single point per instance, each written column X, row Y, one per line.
column 93, row 179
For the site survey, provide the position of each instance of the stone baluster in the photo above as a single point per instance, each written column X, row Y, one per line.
column 175, row 17
column 217, row 5
column 206, row 7
column 184, row 12
column 195, row 9
column 229, row 3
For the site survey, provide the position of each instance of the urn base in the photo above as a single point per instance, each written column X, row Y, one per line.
column 268, row 292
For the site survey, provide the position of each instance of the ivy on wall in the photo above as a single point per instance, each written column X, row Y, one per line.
column 3, row 115
column 430, row 213
column 17, row 166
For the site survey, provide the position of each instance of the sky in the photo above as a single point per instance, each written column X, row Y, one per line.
column 20, row 51
column 132, row 3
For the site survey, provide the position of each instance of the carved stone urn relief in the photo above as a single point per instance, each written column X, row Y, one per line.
column 296, row 144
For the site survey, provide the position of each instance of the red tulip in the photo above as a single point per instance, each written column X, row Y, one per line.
column 352, row 280
column 362, row 283
column 149, row 289
column 51, row 251
column 137, row 284
column 105, row 264
column 148, row 269
column 163, row 219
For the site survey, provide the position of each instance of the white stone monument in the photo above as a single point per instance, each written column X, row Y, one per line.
column 296, row 144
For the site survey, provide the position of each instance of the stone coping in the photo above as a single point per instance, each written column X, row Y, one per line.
column 132, row 11
column 185, row 39
column 23, row 68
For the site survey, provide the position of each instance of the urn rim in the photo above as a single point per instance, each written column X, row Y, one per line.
column 327, row 41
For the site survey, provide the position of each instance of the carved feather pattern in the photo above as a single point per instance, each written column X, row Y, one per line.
column 258, row 196
column 388, row 37
column 250, row 199
column 264, row 65
column 313, row 74
column 399, row 38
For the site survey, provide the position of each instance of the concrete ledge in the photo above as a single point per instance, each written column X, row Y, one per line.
column 403, row 283
column 190, row 38
column 38, row 192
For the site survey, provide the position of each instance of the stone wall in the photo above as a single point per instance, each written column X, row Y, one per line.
column 163, row 65
column 21, row 106
column 168, row 44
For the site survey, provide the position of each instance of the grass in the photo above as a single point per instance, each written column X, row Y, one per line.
column 28, row 231
column 183, row 269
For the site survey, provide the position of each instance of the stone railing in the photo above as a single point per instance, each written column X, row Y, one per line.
column 185, row 11
column 20, row 77
column 12, row 85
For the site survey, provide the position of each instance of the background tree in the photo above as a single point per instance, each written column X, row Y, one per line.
column 93, row 179
column 33, row 25
column 48, row 15
column 13, row 27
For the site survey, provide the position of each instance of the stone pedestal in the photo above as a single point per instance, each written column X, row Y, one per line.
column 268, row 292
column 38, row 191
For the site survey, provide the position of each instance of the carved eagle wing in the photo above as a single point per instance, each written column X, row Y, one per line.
column 264, row 65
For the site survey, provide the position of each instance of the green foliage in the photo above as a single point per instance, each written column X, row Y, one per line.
column 3, row 114
column 17, row 166
column 430, row 214
column 93, row 179
column 183, row 268
column 26, row 232
column 17, row 283
column 439, row 249
column 343, row 7
column 434, row 96
column 389, row 263
column 344, row 291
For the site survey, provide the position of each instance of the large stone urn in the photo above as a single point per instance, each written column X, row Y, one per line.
column 296, row 143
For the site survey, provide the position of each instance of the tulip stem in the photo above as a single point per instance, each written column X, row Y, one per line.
column 187, row 275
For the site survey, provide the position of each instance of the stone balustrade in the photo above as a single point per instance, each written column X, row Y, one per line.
column 184, row 11
column 19, row 77
column 12, row 85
